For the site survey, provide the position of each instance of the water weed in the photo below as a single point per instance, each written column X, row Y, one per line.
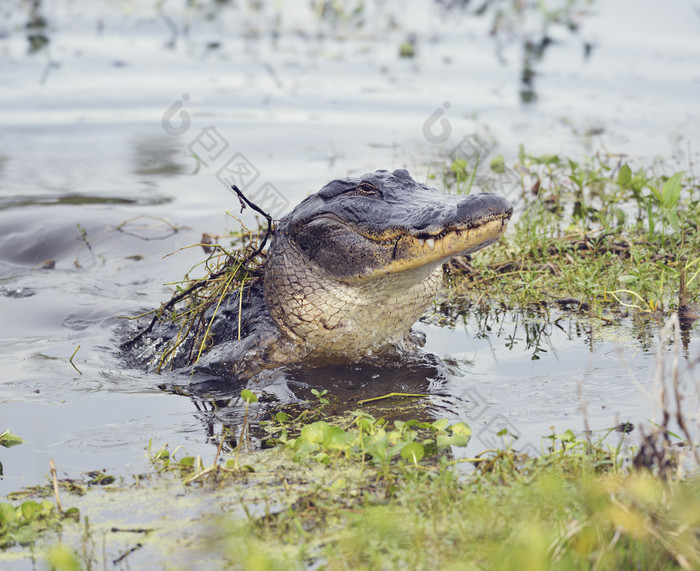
column 593, row 231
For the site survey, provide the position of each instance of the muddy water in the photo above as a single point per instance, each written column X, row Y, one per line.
column 103, row 109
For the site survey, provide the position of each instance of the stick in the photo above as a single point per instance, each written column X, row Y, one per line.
column 54, row 480
column 71, row 360
column 390, row 395
column 179, row 297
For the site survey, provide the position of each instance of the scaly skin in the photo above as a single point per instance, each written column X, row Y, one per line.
column 355, row 265
column 348, row 272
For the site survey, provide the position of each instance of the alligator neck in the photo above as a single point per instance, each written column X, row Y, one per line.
column 333, row 317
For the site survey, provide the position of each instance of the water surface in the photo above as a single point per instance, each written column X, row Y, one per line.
column 101, row 114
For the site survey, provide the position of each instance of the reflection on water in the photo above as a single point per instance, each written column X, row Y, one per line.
column 36, row 26
column 531, row 328
column 479, row 374
column 158, row 156
column 527, row 24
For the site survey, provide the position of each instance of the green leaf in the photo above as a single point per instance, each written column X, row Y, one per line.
column 282, row 417
column 364, row 424
column 336, row 439
column 441, row 424
column 8, row 513
column 62, row 558
column 30, row 509
column 459, row 166
column 462, row 429
column 162, row 455
column 8, row 440
column 25, row 535
column 671, row 191
column 443, row 441
column 567, row 436
column 624, row 176
column 377, row 445
column 315, row 432
column 303, row 448
column 672, row 218
column 498, row 164
column 248, row 396
column 627, row 279
column 413, row 452
column 546, row 160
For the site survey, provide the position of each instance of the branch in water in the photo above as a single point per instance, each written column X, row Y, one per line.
column 195, row 286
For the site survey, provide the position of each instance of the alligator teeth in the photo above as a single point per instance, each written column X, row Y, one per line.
column 421, row 241
column 431, row 243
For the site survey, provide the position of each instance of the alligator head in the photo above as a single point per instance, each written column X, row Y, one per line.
column 353, row 266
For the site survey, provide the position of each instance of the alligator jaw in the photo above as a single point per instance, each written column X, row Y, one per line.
column 415, row 251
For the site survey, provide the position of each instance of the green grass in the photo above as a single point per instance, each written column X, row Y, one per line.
column 593, row 231
column 578, row 505
column 360, row 492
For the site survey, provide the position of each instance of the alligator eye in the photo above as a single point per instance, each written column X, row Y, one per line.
column 367, row 189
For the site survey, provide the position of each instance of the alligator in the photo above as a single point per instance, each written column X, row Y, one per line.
column 347, row 273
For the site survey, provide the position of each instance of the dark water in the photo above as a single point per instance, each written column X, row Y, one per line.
column 103, row 108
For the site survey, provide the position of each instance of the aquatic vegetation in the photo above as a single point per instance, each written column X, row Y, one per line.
column 224, row 271
column 596, row 235
column 360, row 490
column 578, row 504
column 7, row 439
column 356, row 490
column 21, row 524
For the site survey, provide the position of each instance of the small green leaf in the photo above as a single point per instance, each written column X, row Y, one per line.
column 25, row 535
column 162, row 455
column 459, row 166
column 7, row 439
column 498, row 164
column 441, row 424
column 567, row 436
column 624, row 176
column 30, row 509
column 413, row 452
column 304, row 447
column 546, row 160
column 671, row 191
column 8, row 513
column 443, row 441
column 407, row 50
column 62, row 558
column 248, row 396
column 315, row 432
column 462, row 428
column 336, row 439
column 627, row 279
